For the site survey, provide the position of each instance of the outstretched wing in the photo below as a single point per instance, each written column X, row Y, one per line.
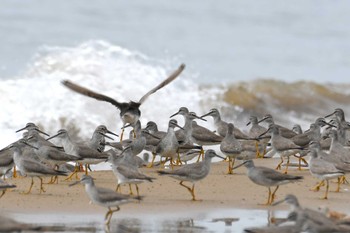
column 164, row 83
column 90, row 93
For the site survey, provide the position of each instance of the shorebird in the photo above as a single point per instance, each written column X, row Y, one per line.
column 98, row 141
column 323, row 170
column 268, row 177
column 4, row 186
column 230, row 147
column 31, row 167
column 342, row 126
column 129, row 111
column 221, row 126
column 104, row 197
column 192, row 172
column 87, row 154
column 168, row 146
column 127, row 172
column 285, row 147
column 255, row 131
column 312, row 220
column 334, row 157
column 31, row 126
column 186, row 136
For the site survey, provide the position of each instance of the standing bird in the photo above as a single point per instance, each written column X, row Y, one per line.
column 104, row 197
column 267, row 177
column 323, row 170
column 129, row 112
column 192, row 172
column 98, row 141
column 168, row 146
column 285, row 147
column 30, row 167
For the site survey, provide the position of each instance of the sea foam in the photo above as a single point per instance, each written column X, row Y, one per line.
column 38, row 96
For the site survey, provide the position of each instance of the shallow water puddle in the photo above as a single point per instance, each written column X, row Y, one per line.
column 234, row 220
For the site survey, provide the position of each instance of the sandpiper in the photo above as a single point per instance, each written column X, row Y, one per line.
column 129, row 111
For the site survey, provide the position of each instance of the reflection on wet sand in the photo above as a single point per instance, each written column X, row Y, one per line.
column 230, row 221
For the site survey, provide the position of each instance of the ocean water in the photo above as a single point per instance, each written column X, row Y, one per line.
column 289, row 59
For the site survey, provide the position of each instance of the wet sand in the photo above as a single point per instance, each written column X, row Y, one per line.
column 165, row 195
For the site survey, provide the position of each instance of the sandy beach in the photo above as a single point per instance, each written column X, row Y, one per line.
column 217, row 191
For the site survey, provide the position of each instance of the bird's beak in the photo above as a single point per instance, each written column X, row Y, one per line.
column 200, row 118
column 329, row 115
column 47, row 139
column 112, row 133
column 126, row 126
column 220, row 157
column 30, row 144
column 42, row 132
column 152, row 135
column 249, row 123
column 263, row 133
column 178, row 126
column 75, row 183
column 240, row 165
column 106, row 136
column 262, row 119
column 207, row 114
column 21, row 129
column 175, row 114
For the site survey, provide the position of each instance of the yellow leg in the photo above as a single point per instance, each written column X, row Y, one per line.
column 30, row 188
column 229, row 166
column 191, row 190
column 318, row 186
column 131, row 193
column 178, row 162
column 121, row 135
column 109, row 214
column 257, row 150
column 14, row 175
column 137, row 190
column 41, row 185
column 75, row 172
column 286, row 170
column 201, row 155
column 338, row 185
column 151, row 164
column 268, row 198
column 279, row 165
column 86, row 169
column 273, row 195
column 343, row 180
column 326, row 193
column 192, row 193
column 119, row 187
